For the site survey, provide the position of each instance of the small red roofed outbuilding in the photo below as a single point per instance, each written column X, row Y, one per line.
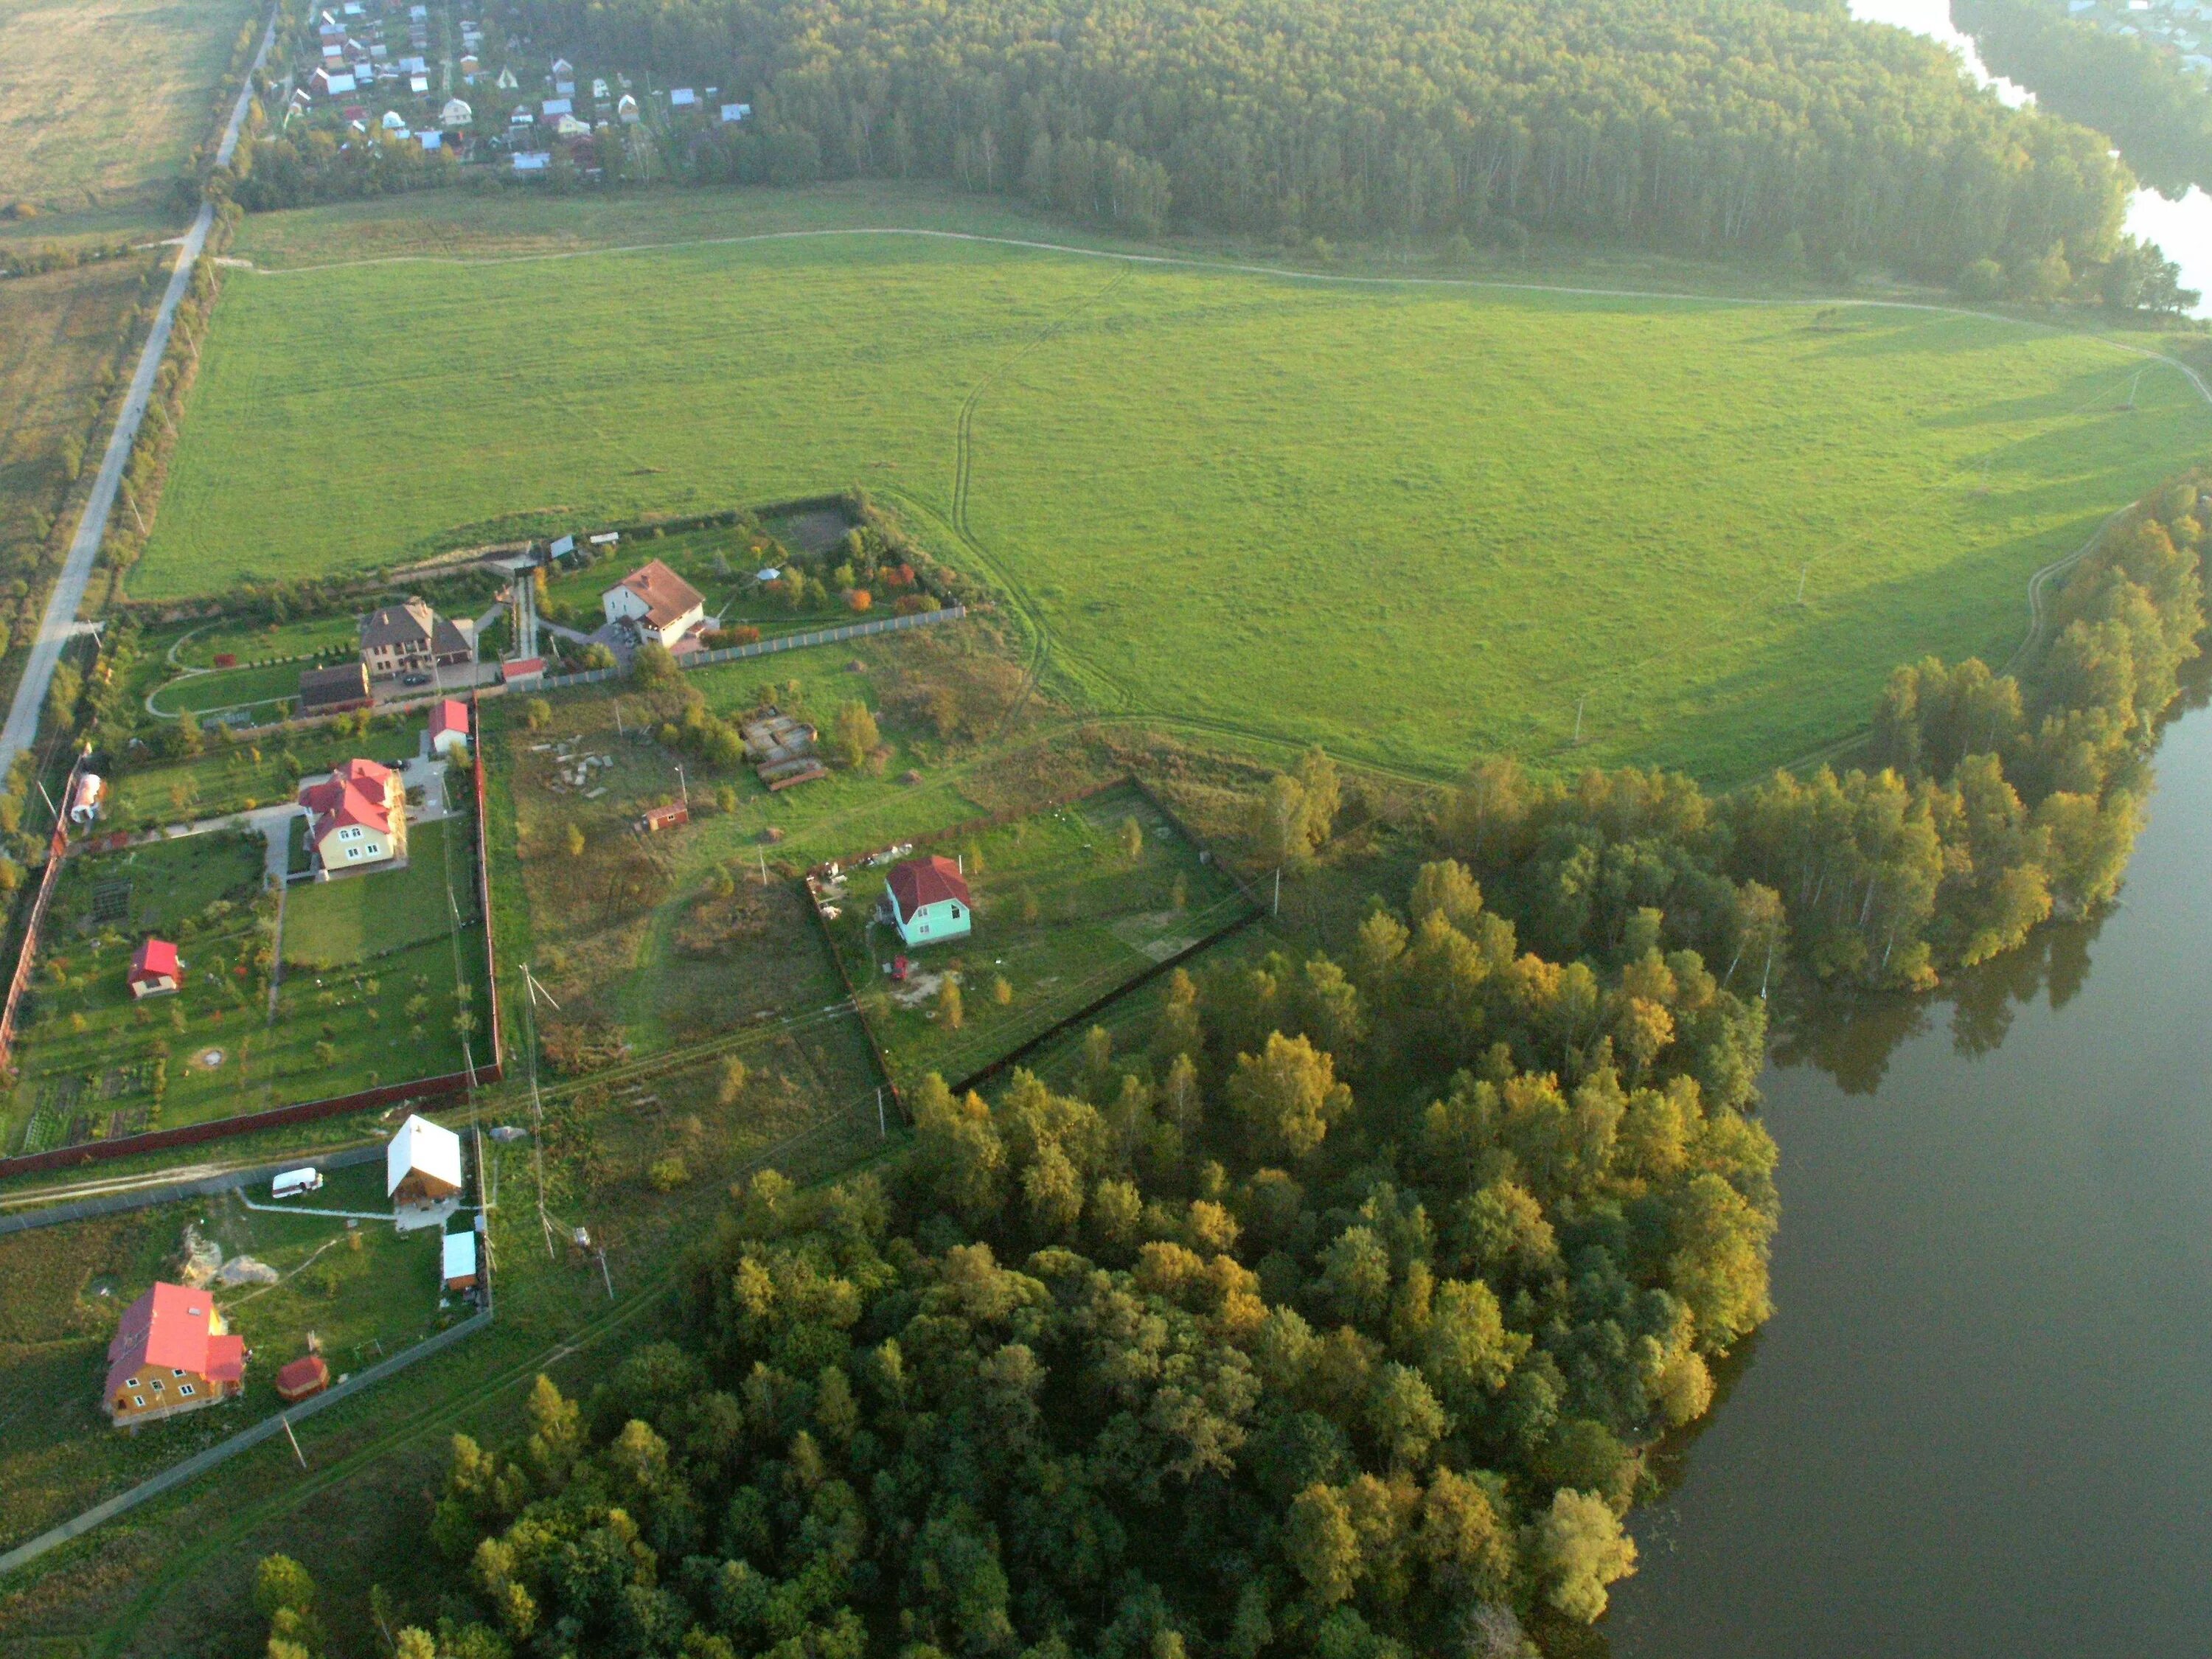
column 154, row 969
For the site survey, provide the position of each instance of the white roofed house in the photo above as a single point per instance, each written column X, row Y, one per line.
column 626, row 109
column 506, row 83
column 423, row 1173
column 733, row 113
column 683, row 98
column 553, row 108
column 562, row 69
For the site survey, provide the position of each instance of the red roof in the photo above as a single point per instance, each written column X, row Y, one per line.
column 521, row 668
column 170, row 1326
column 919, row 883
column 155, row 959
column 355, row 793
column 450, row 715
column 303, row 1376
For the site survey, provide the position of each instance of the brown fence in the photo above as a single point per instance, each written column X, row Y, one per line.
column 56, row 852
column 222, row 1128
column 484, row 884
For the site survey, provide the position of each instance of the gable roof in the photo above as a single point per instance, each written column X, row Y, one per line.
column 177, row 1328
column 667, row 595
column 450, row 715
column 919, row 883
column 358, row 792
column 319, row 687
column 422, row 1146
column 156, row 957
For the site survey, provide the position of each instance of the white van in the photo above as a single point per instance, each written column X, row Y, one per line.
column 293, row 1183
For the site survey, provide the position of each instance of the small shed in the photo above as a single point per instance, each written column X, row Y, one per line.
column 461, row 1261
column 522, row 671
column 683, row 98
column 304, row 1377
column 333, row 690
column 733, row 113
column 449, row 728
column 626, row 109
column 154, row 969
column 394, row 121
column 659, row 818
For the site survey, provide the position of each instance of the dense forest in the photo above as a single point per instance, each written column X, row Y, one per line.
column 1327, row 1321
column 1705, row 125
column 2157, row 111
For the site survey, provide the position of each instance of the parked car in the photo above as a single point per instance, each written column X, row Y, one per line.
column 414, row 679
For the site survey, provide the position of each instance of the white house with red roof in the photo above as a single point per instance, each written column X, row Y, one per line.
column 154, row 969
column 927, row 900
column 449, row 728
column 172, row 1354
column 356, row 816
column 655, row 601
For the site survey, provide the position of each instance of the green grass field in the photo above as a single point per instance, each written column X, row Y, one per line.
column 108, row 96
column 358, row 918
column 1409, row 522
column 1063, row 915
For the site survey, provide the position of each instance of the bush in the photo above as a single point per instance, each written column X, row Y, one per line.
column 667, row 1174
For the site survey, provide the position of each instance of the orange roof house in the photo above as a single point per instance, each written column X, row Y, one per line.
column 657, row 602
column 154, row 969
column 172, row 1354
column 357, row 815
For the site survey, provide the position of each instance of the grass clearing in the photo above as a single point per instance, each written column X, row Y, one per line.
column 364, row 1292
column 358, row 918
column 109, row 96
column 1064, row 913
column 1217, row 493
column 234, row 777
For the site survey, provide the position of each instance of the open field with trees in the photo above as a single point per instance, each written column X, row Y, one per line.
column 1259, row 479
column 109, row 96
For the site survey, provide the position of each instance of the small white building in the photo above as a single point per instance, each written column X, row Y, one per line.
column 626, row 109
column 423, row 1173
column 536, row 161
column 733, row 113
column 394, row 121
column 553, row 108
column 456, row 114
column 683, row 98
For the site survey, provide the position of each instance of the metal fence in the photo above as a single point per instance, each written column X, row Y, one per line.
column 770, row 647
column 57, row 851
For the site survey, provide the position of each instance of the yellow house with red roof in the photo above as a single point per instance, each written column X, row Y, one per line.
column 172, row 1354
column 356, row 816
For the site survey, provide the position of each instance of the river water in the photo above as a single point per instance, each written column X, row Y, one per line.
column 2183, row 228
column 1980, row 1422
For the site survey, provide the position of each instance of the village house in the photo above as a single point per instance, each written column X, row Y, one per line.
column 171, row 1354
column 153, row 968
column 356, row 816
column 449, row 729
column 657, row 603
column 423, row 1173
column 411, row 638
column 926, row 900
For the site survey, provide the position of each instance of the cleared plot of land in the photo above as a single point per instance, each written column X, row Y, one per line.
column 1064, row 913
column 362, row 1291
column 1407, row 521
column 108, row 96
column 231, row 777
column 358, row 918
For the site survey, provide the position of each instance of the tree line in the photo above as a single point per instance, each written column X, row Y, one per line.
column 2157, row 111
column 1991, row 802
column 1328, row 1316
column 1711, row 126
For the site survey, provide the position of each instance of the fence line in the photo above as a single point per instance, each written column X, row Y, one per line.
column 57, row 852
column 246, row 1123
column 770, row 647
column 200, row 1462
column 483, row 883
column 147, row 1198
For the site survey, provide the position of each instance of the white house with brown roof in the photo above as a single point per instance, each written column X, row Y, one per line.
column 655, row 601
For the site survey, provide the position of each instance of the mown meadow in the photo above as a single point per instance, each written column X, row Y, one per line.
column 1408, row 520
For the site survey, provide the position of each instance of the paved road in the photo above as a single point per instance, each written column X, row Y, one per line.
column 60, row 620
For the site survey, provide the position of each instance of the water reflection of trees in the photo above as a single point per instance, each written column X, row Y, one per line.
column 1852, row 1037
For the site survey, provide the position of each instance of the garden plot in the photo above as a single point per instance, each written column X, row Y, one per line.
column 1069, row 906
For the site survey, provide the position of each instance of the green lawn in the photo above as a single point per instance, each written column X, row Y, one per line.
column 1409, row 522
column 358, row 918
column 721, row 561
column 229, row 688
column 327, row 639
column 1063, row 915
column 231, row 777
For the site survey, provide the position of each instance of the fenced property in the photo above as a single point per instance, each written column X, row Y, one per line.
column 1074, row 904
column 770, row 647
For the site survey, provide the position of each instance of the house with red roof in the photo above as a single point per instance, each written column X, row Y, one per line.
column 356, row 816
column 172, row 1354
column 154, row 969
column 927, row 900
column 306, row 1376
column 449, row 728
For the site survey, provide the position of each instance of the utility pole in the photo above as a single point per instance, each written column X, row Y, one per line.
column 1578, row 718
column 285, row 1418
column 1804, row 571
column 682, row 787
column 763, row 861
column 604, row 1274
column 1277, row 909
column 883, row 1129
